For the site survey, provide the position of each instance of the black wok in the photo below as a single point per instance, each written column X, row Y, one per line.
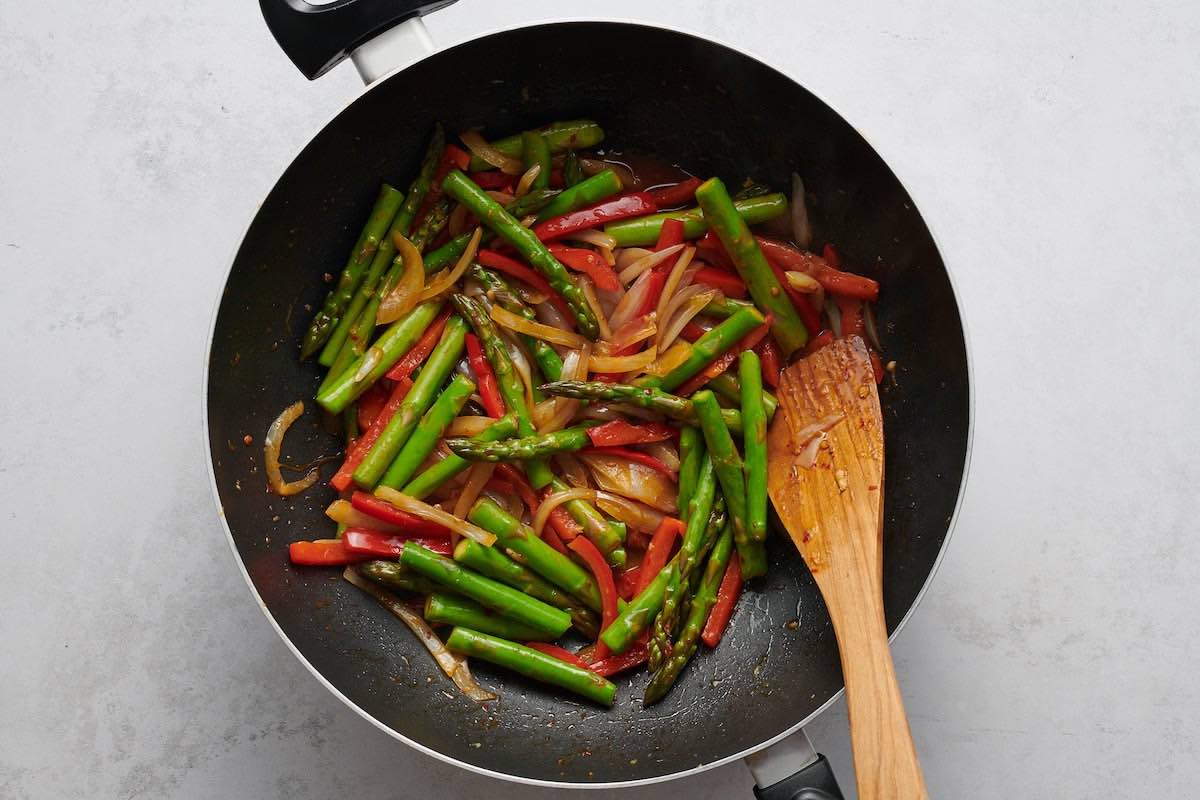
column 715, row 111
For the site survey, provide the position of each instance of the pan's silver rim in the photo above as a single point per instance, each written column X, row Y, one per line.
column 212, row 477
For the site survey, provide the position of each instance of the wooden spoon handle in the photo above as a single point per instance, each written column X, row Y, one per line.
column 885, row 759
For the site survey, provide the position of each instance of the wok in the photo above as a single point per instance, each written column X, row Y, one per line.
column 709, row 108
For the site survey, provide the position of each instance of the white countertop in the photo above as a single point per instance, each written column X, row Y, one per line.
column 1055, row 153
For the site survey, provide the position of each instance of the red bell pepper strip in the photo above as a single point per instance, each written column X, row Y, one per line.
column 824, row 271
column 770, row 360
column 659, row 551
column 560, row 653
column 370, row 404
column 389, row 545
column 323, row 553
column 493, row 179
column 692, row 331
column 589, row 263
column 727, row 597
column 712, row 251
column 627, row 582
column 726, row 359
column 804, row 307
column 485, row 378
column 637, row 541
column 817, row 342
column 358, row 451
column 852, row 316
column 678, row 194
column 619, row 432
column 557, row 180
column 514, row 268
column 632, row 455
column 421, row 350
column 633, row 657
column 384, row 511
column 728, row 282
column 832, row 257
column 623, row 206
column 591, row 556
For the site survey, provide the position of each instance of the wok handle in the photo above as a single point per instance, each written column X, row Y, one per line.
column 814, row 782
column 791, row 769
column 317, row 37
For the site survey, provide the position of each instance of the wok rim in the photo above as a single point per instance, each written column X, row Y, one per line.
column 505, row 776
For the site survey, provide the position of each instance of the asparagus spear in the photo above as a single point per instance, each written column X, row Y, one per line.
column 494, row 564
column 492, row 594
column 536, row 152
column 500, row 292
column 764, row 287
column 541, row 445
column 531, row 203
column 573, row 134
column 754, row 445
column 724, row 307
column 572, row 170
column 639, row 613
column 433, row 223
column 512, row 389
column 395, row 576
column 373, row 234
column 448, row 609
column 691, row 455
column 421, row 184
column 702, row 524
column 731, row 389
column 728, row 466
column 681, row 586
column 643, row 231
column 431, row 479
column 647, row 397
column 705, row 349
column 526, row 243
column 393, row 343
column 702, row 602
column 425, row 438
column 532, row 664
column 608, row 535
column 447, row 254
column 520, row 541
column 439, row 365
column 584, row 193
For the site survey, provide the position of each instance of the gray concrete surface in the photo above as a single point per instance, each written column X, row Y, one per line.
column 1053, row 147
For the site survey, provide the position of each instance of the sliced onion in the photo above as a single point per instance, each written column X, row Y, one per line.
column 547, row 333
column 454, row 666
column 520, row 362
column 529, row 296
column 801, row 228
column 553, row 501
column 589, row 294
column 633, row 480
column 647, row 262
column 809, row 438
column 632, row 332
column 434, row 514
column 481, row 147
column 802, row 283
column 527, row 178
column 674, row 281
column 629, row 255
column 559, row 411
column 835, row 317
column 271, row 448
column 675, row 355
column 871, row 327
column 503, row 198
column 690, row 302
column 572, row 470
column 631, row 302
column 341, row 512
column 458, row 220
column 403, row 297
column 550, row 315
column 445, row 280
column 629, row 181
column 638, row 516
column 610, row 364
column 468, row 426
column 593, row 236
column 477, row 476
column 664, row 452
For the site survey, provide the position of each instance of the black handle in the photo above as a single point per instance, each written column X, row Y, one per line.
column 316, row 37
column 814, row 782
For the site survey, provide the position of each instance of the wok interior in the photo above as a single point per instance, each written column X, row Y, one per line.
column 716, row 112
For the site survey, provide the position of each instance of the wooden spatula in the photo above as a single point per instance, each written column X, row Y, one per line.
column 825, row 477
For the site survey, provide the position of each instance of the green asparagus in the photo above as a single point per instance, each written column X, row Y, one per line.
column 647, row 397
column 448, row 609
column 752, row 265
column 500, row 292
column 532, row 664
column 541, row 445
column 393, row 575
column 574, row 134
column 527, row 245
column 373, row 234
column 691, row 456
column 400, row 427
column 497, row 596
column 572, row 170
column 425, row 438
column 754, row 445
column 535, row 152
column 643, row 231
column 588, row 191
column 435, row 476
column 608, row 535
column 730, row 388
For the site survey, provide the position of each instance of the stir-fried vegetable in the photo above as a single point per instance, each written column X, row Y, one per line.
column 556, row 405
